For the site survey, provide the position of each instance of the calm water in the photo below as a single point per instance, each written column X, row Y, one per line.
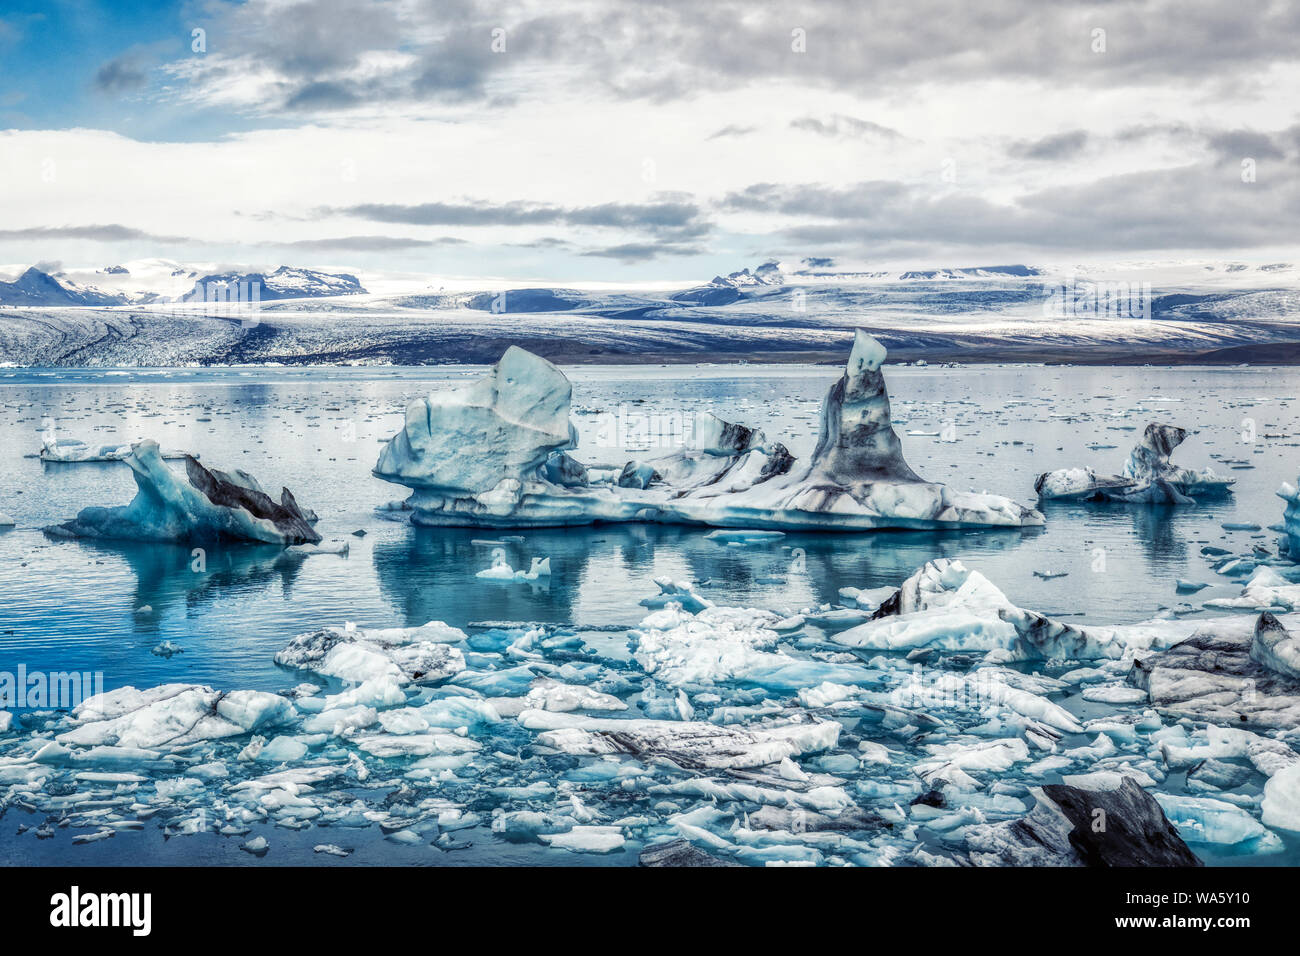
column 67, row 605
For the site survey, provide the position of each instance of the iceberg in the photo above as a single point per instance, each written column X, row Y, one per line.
column 1061, row 830
column 947, row 606
column 71, row 450
column 1149, row 476
column 1289, row 543
column 200, row 505
column 496, row 454
column 1228, row 672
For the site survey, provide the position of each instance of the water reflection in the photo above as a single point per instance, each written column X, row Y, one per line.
column 600, row 574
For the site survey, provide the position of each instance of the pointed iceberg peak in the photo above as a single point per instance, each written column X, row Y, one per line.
column 857, row 441
column 1150, row 457
column 868, row 354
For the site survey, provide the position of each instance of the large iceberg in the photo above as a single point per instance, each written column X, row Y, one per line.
column 1149, row 476
column 496, row 454
column 200, row 505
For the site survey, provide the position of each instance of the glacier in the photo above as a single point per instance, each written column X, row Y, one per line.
column 497, row 454
column 200, row 505
column 1149, row 476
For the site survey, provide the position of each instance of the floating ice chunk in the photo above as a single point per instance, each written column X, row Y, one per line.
column 257, row 846
column 950, row 762
column 1290, row 540
column 501, row 571
column 282, row 750
column 677, row 592
column 1264, row 589
column 743, row 536
column 255, row 709
column 330, row 547
column 547, row 694
column 721, row 644
column 1229, row 671
column 1114, row 694
column 331, row 849
column 404, row 654
column 1149, row 477
column 504, row 426
column 948, row 607
column 1275, row 647
column 70, row 450
column 587, row 839
column 1281, row 805
column 1205, row 820
column 202, row 505
column 1060, row 831
column 685, row 742
column 169, row 716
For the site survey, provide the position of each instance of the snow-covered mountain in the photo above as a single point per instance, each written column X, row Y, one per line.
column 1222, row 311
column 35, row 287
column 284, row 283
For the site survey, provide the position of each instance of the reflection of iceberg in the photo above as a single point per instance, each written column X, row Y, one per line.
column 1149, row 476
column 495, row 454
column 203, row 506
column 70, row 450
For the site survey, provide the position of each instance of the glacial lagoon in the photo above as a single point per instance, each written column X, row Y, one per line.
column 105, row 607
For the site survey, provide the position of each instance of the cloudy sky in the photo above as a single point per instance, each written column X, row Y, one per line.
column 638, row 141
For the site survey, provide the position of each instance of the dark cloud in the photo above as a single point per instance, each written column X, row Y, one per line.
column 1058, row 146
column 1235, row 145
column 643, row 251
column 97, row 233
column 366, row 243
column 122, row 75
column 679, row 48
column 730, row 131
column 680, row 218
column 323, row 96
column 841, row 126
column 1197, row 206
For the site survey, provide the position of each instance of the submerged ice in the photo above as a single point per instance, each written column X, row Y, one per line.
column 497, row 453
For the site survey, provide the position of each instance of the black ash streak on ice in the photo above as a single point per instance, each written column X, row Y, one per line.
column 756, row 736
